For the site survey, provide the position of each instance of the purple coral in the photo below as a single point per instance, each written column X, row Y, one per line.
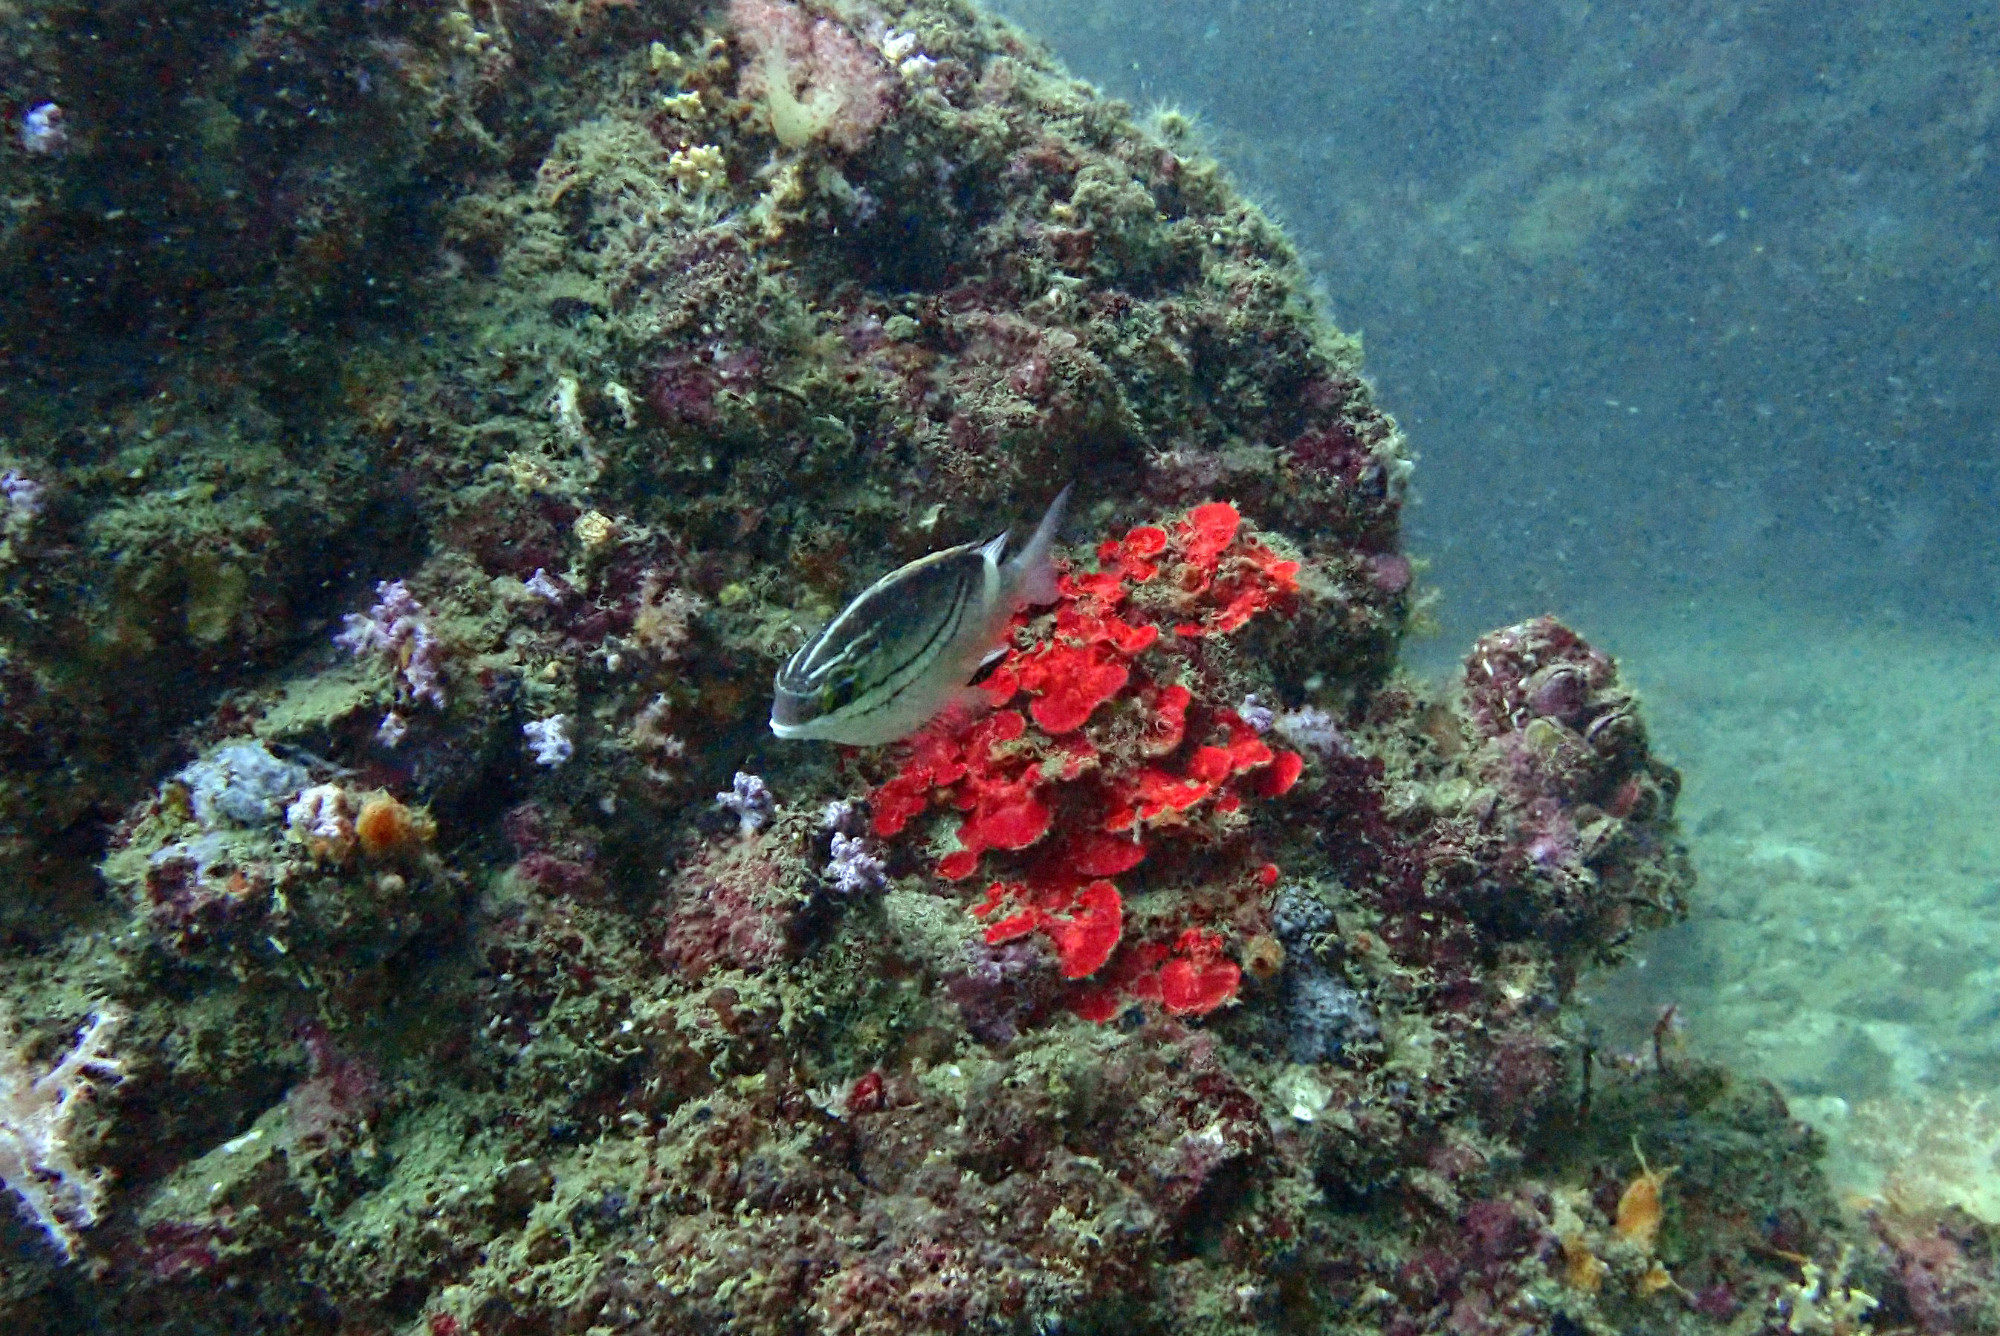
column 854, row 868
column 549, row 739
column 42, row 130
column 22, row 495
column 20, row 503
column 548, row 587
column 1312, row 729
column 397, row 628
column 36, row 1160
column 392, row 729
column 751, row 800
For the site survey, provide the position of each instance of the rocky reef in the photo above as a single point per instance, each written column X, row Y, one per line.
column 430, row 424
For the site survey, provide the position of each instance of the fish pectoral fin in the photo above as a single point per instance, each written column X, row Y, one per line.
column 966, row 704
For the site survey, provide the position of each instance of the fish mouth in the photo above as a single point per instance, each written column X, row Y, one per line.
column 792, row 713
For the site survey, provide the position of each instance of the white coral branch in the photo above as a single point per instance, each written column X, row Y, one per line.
column 36, row 1160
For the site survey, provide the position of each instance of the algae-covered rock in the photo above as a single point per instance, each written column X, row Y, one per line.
column 388, row 654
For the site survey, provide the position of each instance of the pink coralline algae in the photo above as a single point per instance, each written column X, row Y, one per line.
column 686, row 389
column 1098, row 753
column 1943, row 1275
column 732, row 910
column 1536, row 669
column 341, row 1093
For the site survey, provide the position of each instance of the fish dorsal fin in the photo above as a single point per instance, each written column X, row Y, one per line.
column 1032, row 570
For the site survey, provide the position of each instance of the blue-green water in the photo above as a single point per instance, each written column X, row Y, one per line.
column 1672, row 299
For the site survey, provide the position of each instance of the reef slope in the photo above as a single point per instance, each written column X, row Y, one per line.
column 395, row 566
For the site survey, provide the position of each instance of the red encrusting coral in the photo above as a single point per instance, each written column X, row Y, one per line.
column 1084, row 939
column 1198, row 980
column 1115, row 745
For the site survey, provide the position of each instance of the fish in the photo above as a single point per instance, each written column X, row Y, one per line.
column 905, row 650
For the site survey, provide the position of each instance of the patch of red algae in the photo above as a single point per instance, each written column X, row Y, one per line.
column 1084, row 938
column 1098, row 742
column 1198, row 980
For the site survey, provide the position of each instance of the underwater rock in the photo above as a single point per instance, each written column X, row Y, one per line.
column 1323, row 1015
column 241, row 783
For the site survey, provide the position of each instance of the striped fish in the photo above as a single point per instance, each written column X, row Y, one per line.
column 900, row 654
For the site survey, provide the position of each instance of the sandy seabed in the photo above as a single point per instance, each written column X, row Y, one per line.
column 1842, row 804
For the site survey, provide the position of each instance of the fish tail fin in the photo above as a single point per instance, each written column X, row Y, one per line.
column 1035, row 569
